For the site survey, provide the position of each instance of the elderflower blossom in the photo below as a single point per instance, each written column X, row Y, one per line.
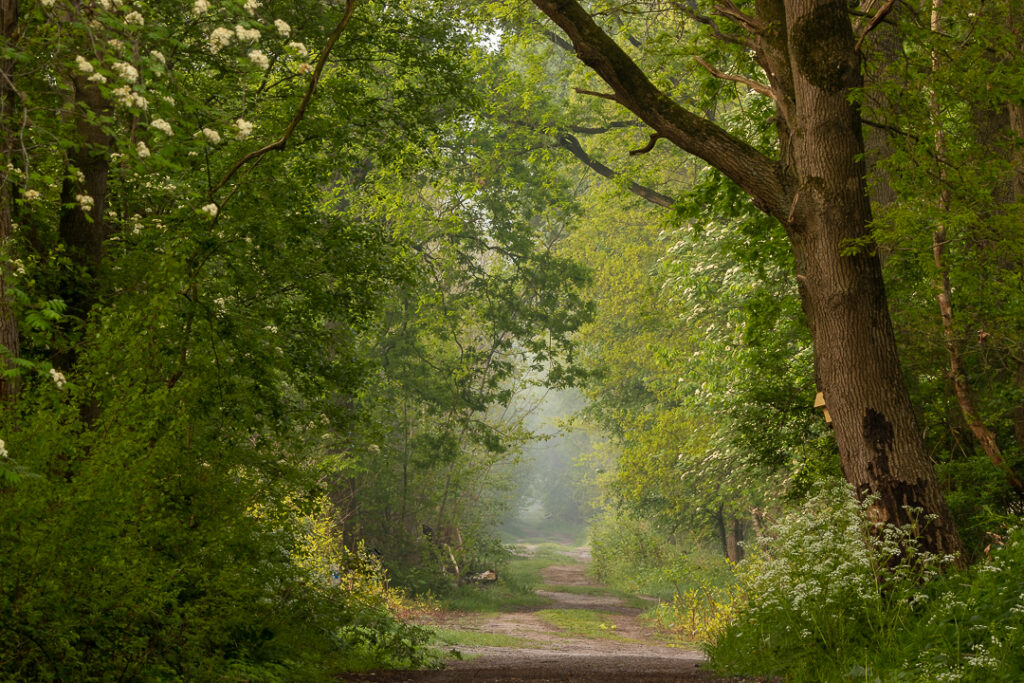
column 129, row 98
column 305, row 68
column 258, row 58
column 142, row 150
column 84, row 65
column 211, row 135
column 200, row 7
column 211, row 209
column 58, row 378
column 282, row 27
column 126, row 71
column 134, row 18
column 298, row 48
column 85, row 201
column 244, row 128
column 244, row 33
column 162, row 126
column 252, row 5
column 220, row 39
column 98, row 78
column 3, row 449
column 158, row 56
column 30, row 195
column 46, row 3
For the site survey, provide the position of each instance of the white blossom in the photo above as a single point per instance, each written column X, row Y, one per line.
column 134, row 18
column 126, row 71
column 31, row 195
column 211, row 135
column 116, row 43
column 58, row 378
column 98, row 78
column 244, row 128
column 282, row 27
column 252, row 5
column 305, row 68
column 211, row 209
column 129, row 98
column 141, row 150
column 158, row 56
column 46, row 3
column 200, row 7
column 162, row 126
column 220, row 39
column 298, row 48
column 244, row 33
column 259, row 59
column 3, row 449
column 85, row 201
column 84, row 65
column 79, row 175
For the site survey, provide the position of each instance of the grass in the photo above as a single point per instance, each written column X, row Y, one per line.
column 630, row 599
column 585, row 623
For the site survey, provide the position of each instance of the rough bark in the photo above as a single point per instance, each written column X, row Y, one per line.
column 9, row 338
column 817, row 190
column 733, row 538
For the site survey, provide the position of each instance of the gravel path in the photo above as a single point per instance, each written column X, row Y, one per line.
column 636, row 657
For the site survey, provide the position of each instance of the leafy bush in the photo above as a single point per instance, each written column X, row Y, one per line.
column 830, row 596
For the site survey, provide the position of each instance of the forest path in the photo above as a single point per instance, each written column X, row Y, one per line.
column 584, row 633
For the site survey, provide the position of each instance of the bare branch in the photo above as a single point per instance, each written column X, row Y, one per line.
column 571, row 144
column 602, row 95
column 750, row 83
column 875, row 21
column 646, row 148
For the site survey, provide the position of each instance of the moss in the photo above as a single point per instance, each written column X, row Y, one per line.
column 821, row 44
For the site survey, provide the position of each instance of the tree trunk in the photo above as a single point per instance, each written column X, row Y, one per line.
column 817, row 190
column 734, row 536
column 9, row 338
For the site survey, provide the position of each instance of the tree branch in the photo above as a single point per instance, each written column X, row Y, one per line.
column 754, row 172
column 594, row 93
column 569, row 142
column 597, row 130
column 875, row 21
column 282, row 141
column 750, row 83
column 646, row 148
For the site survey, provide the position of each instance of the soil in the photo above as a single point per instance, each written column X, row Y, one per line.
column 638, row 655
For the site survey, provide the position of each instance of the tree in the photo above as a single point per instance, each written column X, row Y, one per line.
column 813, row 183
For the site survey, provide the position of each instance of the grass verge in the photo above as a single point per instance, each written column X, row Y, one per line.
column 585, row 623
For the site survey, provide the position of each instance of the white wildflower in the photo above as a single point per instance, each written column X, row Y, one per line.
column 136, row 224
column 211, row 209
column 98, row 78
column 158, row 56
column 244, row 33
column 282, row 27
column 211, row 135
column 19, row 267
column 134, row 18
column 84, row 65
column 107, row 5
column 3, row 449
column 244, row 128
column 141, row 150
column 220, row 39
column 31, row 195
column 252, row 5
column 79, row 175
column 258, row 58
column 129, row 98
column 305, row 68
column 162, row 126
column 298, row 48
column 115, row 43
column 169, row 100
column 46, row 3
column 85, row 201
column 200, row 7
column 126, row 71
column 58, row 378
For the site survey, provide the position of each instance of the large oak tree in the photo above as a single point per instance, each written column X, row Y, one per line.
column 814, row 184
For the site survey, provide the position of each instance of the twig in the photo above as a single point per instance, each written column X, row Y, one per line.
column 648, row 147
column 602, row 95
column 877, row 19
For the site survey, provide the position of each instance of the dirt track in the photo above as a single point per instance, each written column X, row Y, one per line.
column 636, row 655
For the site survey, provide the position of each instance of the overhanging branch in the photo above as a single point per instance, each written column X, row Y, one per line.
column 569, row 142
